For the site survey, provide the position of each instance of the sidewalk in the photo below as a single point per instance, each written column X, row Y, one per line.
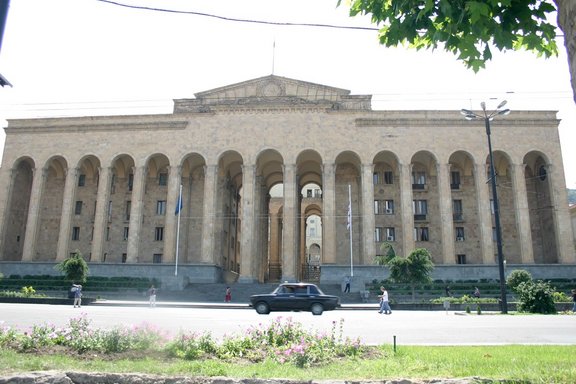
column 212, row 305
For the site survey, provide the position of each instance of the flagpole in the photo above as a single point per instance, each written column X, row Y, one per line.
column 350, row 229
column 178, row 208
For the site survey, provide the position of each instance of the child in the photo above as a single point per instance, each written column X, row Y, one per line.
column 228, row 296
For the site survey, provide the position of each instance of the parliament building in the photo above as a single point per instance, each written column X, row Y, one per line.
column 277, row 179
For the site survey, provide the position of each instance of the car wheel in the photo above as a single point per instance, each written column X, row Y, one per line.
column 317, row 309
column 262, row 308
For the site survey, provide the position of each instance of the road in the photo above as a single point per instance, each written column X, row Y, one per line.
column 408, row 327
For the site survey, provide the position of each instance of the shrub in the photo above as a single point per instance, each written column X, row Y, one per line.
column 74, row 268
column 536, row 297
column 516, row 277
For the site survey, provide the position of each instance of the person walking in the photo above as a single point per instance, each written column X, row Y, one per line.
column 448, row 293
column 152, row 296
column 347, row 281
column 228, row 295
column 384, row 304
column 476, row 293
column 77, row 289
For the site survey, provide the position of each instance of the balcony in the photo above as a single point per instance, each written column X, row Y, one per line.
column 420, row 217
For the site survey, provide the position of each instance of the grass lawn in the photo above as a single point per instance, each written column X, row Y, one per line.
column 513, row 363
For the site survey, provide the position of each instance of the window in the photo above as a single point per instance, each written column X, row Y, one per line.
column 378, row 207
column 421, row 234
column 107, row 233
column 389, row 207
column 457, row 210
column 78, row 208
column 163, row 179
column 459, row 233
column 388, row 177
column 492, row 210
column 81, row 180
column 159, row 234
column 157, row 258
column 127, row 210
column 110, row 211
column 494, row 236
column 125, row 234
column 390, row 234
column 130, row 181
column 379, row 234
column 161, row 207
column 460, row 259
column 312, row 232
column 113, row 184
column 455, row 179
column 420, row 208
column 124, row 258
column 376, row 178
column 418, row 179
column 76, row 233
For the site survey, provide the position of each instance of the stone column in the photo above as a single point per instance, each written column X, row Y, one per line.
column 289, row 244
column 136, row 214
column 368, row 219
column 38, row 184
column 170, row 223
column 101, row 214
column 247, row 247
column 558, row 195
column 7, row 177
column 522, row 213
column 209, row 213
column 447, row 221
column 407, row 209
column 484, row 212
column 66, row 214
column 328, row 213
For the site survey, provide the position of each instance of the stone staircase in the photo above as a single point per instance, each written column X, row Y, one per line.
column 241, row 292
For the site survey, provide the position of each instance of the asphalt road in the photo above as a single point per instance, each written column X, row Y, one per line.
column 407, row 327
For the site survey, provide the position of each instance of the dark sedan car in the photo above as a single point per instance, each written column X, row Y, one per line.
column 295, row 297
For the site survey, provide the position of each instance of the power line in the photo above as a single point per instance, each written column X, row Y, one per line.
column 282, row 24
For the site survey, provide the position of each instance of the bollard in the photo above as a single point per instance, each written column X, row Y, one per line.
column 394, row 344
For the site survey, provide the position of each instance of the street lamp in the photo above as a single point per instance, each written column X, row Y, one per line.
column 488, row 117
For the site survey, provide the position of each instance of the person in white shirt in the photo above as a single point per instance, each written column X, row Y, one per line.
column 384, row 304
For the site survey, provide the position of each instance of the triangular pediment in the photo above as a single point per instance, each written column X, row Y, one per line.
column 271, row 92
column 274, row 86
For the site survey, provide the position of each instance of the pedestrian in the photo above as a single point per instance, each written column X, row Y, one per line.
column 152, row 295
column 347, row 281
column 574, row 300
column 476, row 293
column 228, row 295
column 448, row 293
column 384, row 304
column 77, row 290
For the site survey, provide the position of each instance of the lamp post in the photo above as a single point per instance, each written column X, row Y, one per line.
column 488, row 117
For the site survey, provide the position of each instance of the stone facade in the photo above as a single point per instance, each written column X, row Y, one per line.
column 108, row 186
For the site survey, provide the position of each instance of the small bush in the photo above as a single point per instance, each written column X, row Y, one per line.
column 536, row 297
column 516, row 277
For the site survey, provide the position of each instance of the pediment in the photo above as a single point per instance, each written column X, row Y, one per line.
column 270, row 92
column 274, row 86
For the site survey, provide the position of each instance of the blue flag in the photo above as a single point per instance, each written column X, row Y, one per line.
column 179, row 203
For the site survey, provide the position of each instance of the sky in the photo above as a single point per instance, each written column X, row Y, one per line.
column 91, row 57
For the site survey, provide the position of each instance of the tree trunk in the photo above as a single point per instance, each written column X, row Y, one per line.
column 567, row 22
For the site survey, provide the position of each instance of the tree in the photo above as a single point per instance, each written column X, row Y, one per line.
column 74, row 268
column 517, row 277
column 469, row 28
column 412, row 270
column 388, row 253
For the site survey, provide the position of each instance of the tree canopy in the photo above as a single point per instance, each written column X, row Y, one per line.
column 467, row 28
column 74, row 268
